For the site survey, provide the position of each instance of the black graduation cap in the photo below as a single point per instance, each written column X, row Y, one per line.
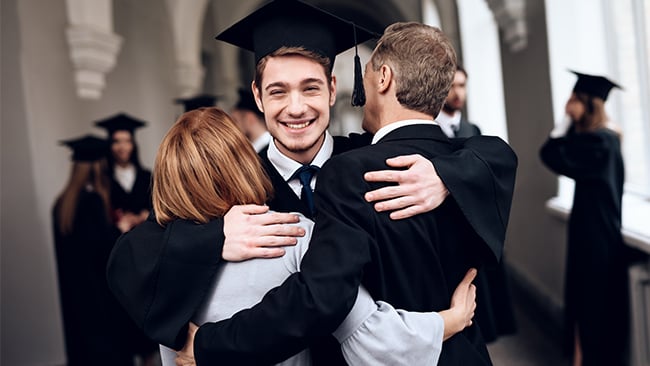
column 597, row 86
column 119, row 122
column 247, row 101
column 203, row 100
column 87, row 148
column 293, row 23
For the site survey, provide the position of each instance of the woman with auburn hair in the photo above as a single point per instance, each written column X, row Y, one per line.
column 204, row 166
column 587, row 149
column 83, row 236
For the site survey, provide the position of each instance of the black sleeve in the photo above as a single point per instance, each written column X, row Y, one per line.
column 484, row 187
column 577, row 155
column 312, row 302
column 161, row 275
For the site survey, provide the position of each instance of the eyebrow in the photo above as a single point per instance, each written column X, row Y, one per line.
column 302, row 82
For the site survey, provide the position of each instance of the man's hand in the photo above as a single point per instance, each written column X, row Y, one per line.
column 252, row 232
column 185, row 357
column 419, row 188
column 463, row 305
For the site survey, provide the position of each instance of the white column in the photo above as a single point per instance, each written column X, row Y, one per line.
column 511, row 17
column 187, row 21
column 93, row 45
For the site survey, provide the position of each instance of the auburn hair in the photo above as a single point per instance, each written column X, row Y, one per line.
column 203, row 167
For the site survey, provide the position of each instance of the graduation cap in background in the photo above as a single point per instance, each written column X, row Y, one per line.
column 120, row 122
column 597, row 86
column 293, row 23
column 87, row 148
column 196, row 102
column 247, row 102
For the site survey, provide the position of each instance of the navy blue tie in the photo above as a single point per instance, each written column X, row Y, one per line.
column 305, row 173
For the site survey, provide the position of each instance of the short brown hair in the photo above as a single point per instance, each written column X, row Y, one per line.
column 204, row 166
column 423, row 61
column 293, row 51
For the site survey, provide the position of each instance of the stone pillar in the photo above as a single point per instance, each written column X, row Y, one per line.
column 93, row 45
column 187, row 21
column 510, row 15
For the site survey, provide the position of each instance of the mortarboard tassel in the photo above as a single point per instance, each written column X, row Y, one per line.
column 358, row 93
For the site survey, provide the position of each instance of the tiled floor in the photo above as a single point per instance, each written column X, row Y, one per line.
column 530, row 346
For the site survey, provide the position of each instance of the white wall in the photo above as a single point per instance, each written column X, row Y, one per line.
column 482, row 60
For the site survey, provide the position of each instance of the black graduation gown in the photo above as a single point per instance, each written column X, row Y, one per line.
column 140, row 196
column 413, row 264
column 134, row 202
column 151, row 266
column 151, row 257
column 596, row 297
column 92, row 319
column 494, row 310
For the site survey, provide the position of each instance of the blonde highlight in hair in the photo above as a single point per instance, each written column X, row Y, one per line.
column 203, row 167
column 423, row 61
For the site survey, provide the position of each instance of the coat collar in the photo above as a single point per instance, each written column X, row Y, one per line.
column 415, row 131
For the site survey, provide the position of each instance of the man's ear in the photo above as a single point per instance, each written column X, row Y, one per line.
column 258, row 97
column 385, row 78
column 333, row 91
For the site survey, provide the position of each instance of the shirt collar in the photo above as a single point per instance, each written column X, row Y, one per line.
column 261, row 142
column 449, row 123
column 287, row 166
column 395, row 125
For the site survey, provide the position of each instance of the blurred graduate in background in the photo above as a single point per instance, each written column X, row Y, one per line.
column 587, row 149
column 84, row 233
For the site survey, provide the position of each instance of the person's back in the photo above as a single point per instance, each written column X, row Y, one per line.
column 415, row 262
column 243, row 284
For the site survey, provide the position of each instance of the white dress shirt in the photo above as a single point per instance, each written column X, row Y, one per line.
column 450, row 123
column 287, row 166
column 395, row 125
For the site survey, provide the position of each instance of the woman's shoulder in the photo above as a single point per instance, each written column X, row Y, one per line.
column 608, row 133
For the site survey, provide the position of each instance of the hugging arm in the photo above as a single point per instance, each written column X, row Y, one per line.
column 483, row 188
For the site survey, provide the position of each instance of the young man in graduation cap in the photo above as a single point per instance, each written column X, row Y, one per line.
column 587, row 149
column 295, row 45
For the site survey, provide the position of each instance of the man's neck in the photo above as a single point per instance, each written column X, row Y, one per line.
column 402, row 115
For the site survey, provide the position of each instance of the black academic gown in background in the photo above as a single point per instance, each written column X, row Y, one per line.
column 135, row 201
column 495, row 314
column 596, row 287
column 140, row 196
column 467, row 129
column 414, row 264
column 92, row 319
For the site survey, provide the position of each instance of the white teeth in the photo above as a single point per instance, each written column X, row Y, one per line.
column 297, row 126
